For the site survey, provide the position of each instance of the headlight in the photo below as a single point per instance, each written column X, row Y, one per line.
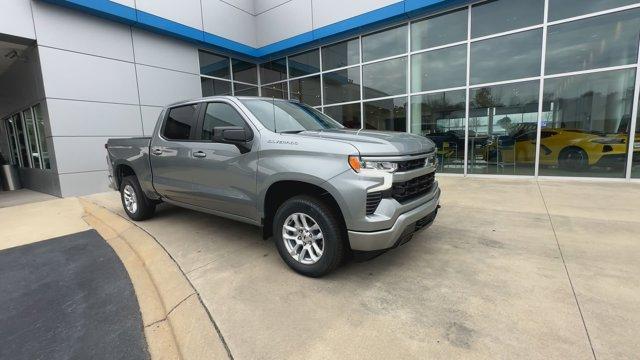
column 608, row 141
column 359, row 165
column 431, row 161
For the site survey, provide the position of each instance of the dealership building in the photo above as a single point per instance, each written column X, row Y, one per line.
column 527, row 88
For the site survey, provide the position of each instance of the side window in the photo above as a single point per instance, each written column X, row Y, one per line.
column 219, row 114
column 179, row 122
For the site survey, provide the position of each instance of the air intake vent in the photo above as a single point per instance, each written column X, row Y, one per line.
column 373, row 200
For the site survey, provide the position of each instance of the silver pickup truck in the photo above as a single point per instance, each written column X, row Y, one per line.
column 322, row 191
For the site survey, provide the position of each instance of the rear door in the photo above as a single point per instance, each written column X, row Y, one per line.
column 171, row 153
column 224, row 175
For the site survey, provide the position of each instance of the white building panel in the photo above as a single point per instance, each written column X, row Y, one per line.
column 129, row 3
column 82, row 118
column 283, row 22
column 84, row 183
column 244, row 5
column 166, row 52
column 150, row 116
column 80, row 154
column 70, row 75
column 264, row 5
column 326, row 12
column 160, row 87
column 64, row 28
column 185, row 12
column 15, row 18
column 229, row 22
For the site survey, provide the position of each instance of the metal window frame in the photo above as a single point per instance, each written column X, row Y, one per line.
column 541, row 78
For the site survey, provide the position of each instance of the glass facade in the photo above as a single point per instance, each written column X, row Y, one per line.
column 27, row 139
column 500, row 89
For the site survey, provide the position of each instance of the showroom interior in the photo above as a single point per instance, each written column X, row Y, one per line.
column 535, row 88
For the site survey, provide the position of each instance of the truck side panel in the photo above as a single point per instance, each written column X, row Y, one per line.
column 132, row 154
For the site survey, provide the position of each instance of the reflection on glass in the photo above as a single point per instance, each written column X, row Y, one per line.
column 635, row 169
column 384, row 44
column 22, row 142
column 13, row 141
column 44, row 151
column 211, row 87
column 387, row 114
column 245, row 90
column 508, row 57
column 273, row 71
column 305, row 63
column 30, row 126
column 439, row 30
column 561, row 9
column 503, row 123
column 306, row 90
column 348, row 115
column 440, row 117
column 342, row 85
column 278, row 91
column 341, row 54
column 244, row 71
column 385, row 78
column 439, row 69
column 213, row 65
column 585, row 124
column 496, row 16
column 601, row 41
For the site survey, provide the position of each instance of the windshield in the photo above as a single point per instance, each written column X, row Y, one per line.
column 289, row 117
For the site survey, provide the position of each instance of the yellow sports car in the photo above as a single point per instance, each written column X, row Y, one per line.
column 575, row 150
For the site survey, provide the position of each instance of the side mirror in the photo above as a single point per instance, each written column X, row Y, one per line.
column 230, row 134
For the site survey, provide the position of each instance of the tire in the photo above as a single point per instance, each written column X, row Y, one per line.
column 573, row 159
column 301, row 244
column 134, row 202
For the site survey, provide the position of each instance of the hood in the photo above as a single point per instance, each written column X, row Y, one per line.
column 377, row 143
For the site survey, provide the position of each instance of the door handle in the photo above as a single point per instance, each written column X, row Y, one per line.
column 199, row 154
column 157, row 151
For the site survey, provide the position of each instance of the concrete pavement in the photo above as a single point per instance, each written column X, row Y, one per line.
column 510, row 269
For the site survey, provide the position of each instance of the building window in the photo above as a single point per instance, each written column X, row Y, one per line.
column 342, row 54
column 214, row 65
column 586, row 124
column 439, row 30
column 342, row 85
column 348, row 115
column 503, row 124
column 387, row 114
column 277, row 90
column 306, row 90
column 562, row 9
column 244, row 71
column 27, row 138
column 306, row 63
column 384, row 44
column 385, row 78
column 508, row 57
column 439, row 69
column 597, row 42
column 498, row 16
column 441, row 118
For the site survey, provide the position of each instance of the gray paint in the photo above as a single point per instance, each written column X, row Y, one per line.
column 234, row 183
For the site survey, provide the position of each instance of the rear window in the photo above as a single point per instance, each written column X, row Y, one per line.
column 180, row 121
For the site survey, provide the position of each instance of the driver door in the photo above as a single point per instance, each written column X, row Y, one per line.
column 224, row 175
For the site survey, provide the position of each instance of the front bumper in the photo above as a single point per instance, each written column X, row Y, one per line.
column 406, row 224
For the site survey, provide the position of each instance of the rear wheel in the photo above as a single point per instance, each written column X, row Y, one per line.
column 135, row 203
column 309, row 236
column 573, row 159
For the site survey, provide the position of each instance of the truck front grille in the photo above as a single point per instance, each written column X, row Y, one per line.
column 373, row 200
column 408, row 190
column 409, row 165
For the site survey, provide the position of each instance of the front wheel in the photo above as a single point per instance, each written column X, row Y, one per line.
column 309, row 236
column 135, row 203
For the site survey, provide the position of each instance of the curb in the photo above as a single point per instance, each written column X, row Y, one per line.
column 176, row 323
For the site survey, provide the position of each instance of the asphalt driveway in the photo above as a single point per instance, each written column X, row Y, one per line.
column 510, row 269
column 68, row 298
